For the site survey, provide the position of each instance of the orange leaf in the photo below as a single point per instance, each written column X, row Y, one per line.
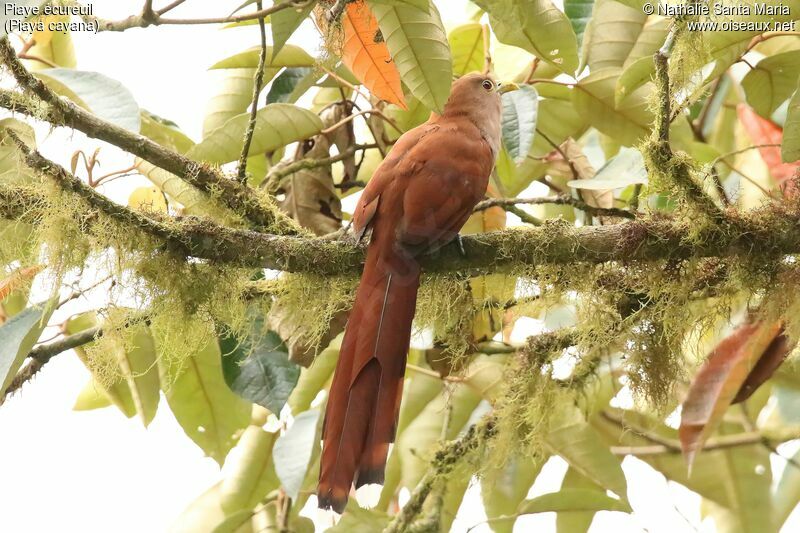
column 18, row 279
column 763, row 131
column 366, row 55
column 720, row 380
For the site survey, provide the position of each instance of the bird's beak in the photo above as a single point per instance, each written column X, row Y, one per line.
column 507, row 87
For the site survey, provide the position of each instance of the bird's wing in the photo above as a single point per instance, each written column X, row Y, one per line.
column 384, row 175
column 434, row 176
column 447, row 175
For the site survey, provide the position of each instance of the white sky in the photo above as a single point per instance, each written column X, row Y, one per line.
column 98, row 471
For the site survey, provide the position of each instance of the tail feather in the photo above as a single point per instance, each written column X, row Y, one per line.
column 362, row 409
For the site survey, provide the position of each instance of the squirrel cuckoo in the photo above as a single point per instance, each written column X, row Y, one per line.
column 417, row 201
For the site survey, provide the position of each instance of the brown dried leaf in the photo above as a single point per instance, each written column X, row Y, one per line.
column 309, row 195
column 720, row 381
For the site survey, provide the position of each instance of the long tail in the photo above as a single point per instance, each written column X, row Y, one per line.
column 364, row 401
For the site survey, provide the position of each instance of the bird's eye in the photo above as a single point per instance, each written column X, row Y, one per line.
column 488, row 85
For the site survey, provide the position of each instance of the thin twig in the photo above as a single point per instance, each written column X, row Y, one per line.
column 278, row 173
column 350, row 117
column 169, row 7
column 138, row 21
column 258, row 82
column 557, row 200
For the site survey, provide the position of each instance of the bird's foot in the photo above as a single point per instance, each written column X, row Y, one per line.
column 460, row 244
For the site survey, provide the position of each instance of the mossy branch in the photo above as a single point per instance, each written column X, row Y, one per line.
column 61, row 112
column 443, row 463
column 771, row 231
column 662, row 162
column 41, row 355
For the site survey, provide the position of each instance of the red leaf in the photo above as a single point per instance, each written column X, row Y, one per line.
column 721, row 379
column 763, row 131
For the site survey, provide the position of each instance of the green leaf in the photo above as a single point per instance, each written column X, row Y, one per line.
column 634, row 76
column 504, row 488
column 639, row 67
column 258, row 369
column 288, row 56
column 746, row 475
column 537, row 26
column 580, row 445
column 294, row 449
column 103, row 96
column 737, row 479
column 23, row 130
column 233, row 96
column 313, row 378
column 276, row 125
column 579, row 13
column 51, row 45
column 291, row 84
column 790, row 149
column 91, row 397
column 467, row 48
column 284, row 23
column 650, row 39
column 165, row 132
column 250, row 473
column 194, row 201
column 137, row 362
column 573, row 500
column 421, row 437
column 771, row 82
column 418, row 44
column 576, row 521
column 209, row 413
column 727, row 47
column 519, row 121
column 486, row 375
column 611, row 35
column 417, row 394
column 118, row 390
column 625, row 169
column 17, row 337
column 558, row 118
column 238, row 522
column 593, row 98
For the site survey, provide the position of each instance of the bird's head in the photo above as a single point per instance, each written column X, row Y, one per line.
column 477, row 97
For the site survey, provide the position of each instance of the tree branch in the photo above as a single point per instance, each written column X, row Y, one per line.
column 672, row 168
column 41, row 355
column 770, row 231
column 257, row 83
column 139, row 21
column 443, row 463
column 279, row 172
column 232, row 194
